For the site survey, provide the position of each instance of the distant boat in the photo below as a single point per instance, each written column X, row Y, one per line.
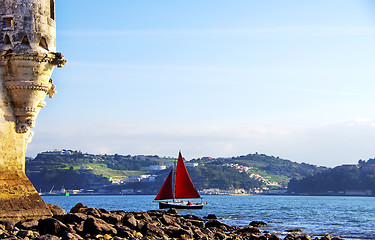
column 178, row 185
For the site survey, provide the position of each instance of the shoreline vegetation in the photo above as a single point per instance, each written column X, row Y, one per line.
column 53, row 172
column 83, row 222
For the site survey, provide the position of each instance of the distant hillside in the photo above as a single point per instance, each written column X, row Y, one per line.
column 274, row 167
column 77, row 170
column 356, row 179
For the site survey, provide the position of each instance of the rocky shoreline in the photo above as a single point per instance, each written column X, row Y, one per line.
column 96, row 223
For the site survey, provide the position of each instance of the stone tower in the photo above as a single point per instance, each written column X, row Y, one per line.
column 27, row 58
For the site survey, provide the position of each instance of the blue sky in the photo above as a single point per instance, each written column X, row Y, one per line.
column 215, row 78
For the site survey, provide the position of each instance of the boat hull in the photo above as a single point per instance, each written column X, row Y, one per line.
column 180, row 205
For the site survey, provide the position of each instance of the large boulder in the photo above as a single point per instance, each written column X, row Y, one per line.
column 182, row 234
column 112, row 218
column 153, row 231
column 29, row 224
column 130, row 221
column 52, row 226
column 78, row 208
column 274, row 237
column 7, row 224
column 172, row 211
column 55, row 209
column 94, row 212
column 249, row 230
column 217, row 224
column 168, row 220
column 48, row 237
column 95, row 226
column 211, row 216
column 196, row 223
column 71, row 218
column 125, row 232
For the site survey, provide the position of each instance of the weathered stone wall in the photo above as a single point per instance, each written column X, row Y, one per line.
column 31, row 18
column 12, row 144
column 27, row 59
column 18, row 197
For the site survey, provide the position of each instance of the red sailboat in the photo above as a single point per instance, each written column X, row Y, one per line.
column 182, row 188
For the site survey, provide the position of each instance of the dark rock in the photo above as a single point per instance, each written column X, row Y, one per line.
column 78, row 208
column 198, row 234
column 290, row 237
column 189, row 216
column 326, row 236
column 197, row 223
column 25, row 233
column 217, row 224
column 71, row 218
column 78, row 227
column 157, row 213
column 152, row 231
column 130, row 221
column 296, row 230
column 274, row 237
column 30, row 224
column 168, row 220
column 220, row 235
column 71, row 236
column 249, row 230
column 8, row 224
column 95, row 226
column 55, row 209
column 170, row 230
column 253, row 237
column 119, row 212
column 143, row 216
column 102, row 210
column 52, row 226
column 172, row 211
column 257, row 223
column 11, row 237
column 93, row 212
column 211, row 216
column 112, row 218
column 140, row 225
column 304, row 237
column 125, row 232
column 48, row 237
column 183, row 234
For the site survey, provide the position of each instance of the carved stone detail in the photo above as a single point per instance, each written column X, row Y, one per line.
column 27, row 79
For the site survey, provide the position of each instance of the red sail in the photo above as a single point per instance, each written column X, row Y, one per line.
column 166, row 190
column 184, row 187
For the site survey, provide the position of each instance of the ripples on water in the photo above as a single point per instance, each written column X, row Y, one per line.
column 350, row 217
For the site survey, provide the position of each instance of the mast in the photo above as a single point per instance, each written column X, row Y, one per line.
column 174, row 178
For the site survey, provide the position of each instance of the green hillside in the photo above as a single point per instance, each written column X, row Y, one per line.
column 358, row 179
column 77, row 170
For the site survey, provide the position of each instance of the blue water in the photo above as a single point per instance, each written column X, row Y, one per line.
column 349, row 217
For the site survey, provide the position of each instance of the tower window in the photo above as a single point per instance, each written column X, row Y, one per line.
column 43, row 43
column 52, row 9
column 7, row 22
column 25, row 41
column 6, row 39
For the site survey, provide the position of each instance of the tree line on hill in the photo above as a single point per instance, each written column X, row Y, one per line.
column 347, row 179
column 62, row 169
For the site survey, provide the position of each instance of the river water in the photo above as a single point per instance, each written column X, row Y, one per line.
column 349, row 217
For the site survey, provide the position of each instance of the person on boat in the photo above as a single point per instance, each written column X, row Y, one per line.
column 189, row 203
